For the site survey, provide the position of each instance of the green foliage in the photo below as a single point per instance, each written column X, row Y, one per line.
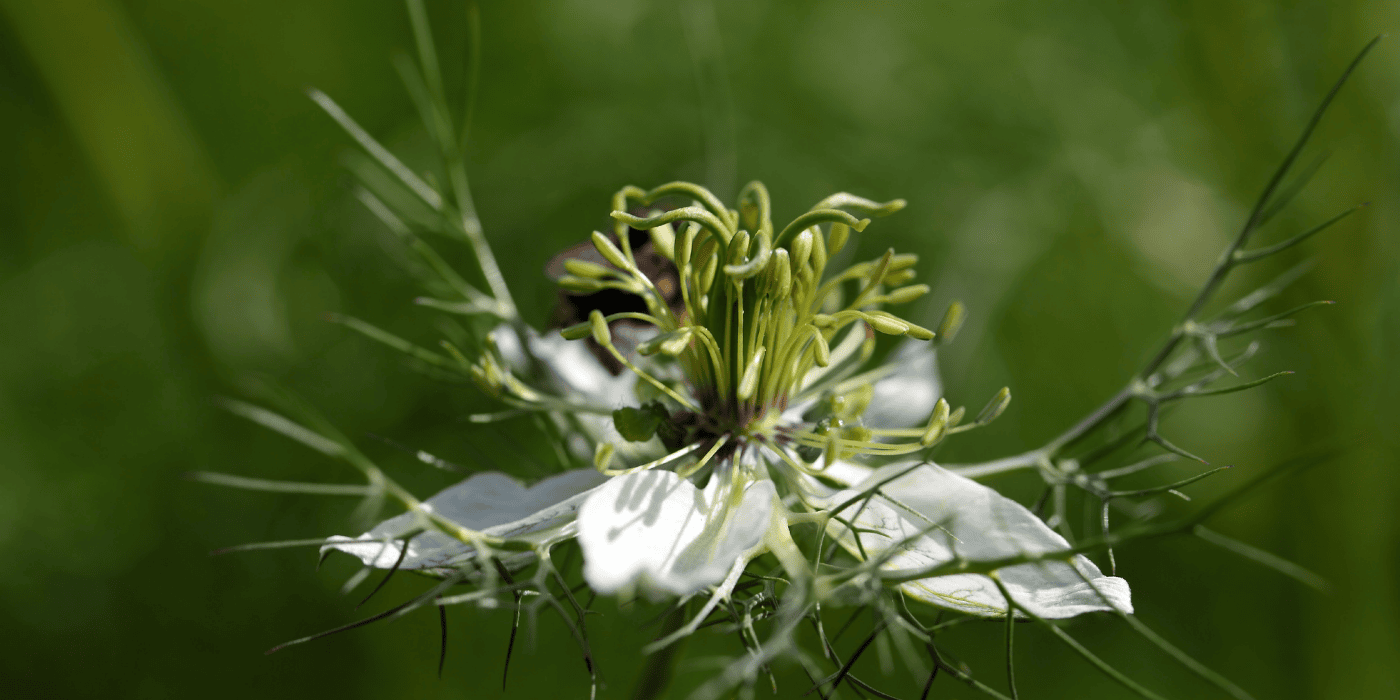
column 1066, row 174
column 639, row 424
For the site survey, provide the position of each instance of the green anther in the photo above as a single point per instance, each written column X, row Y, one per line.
column 903, row 261
column 956, row 417
column 952, row 321
column 823, row 351
column 782, row 273
column 610, row 251
column 833, row 444
column 707, row 274
column 756, row 264
column 840, row 233
column 588, row 270
column 857, row 433
column 748, row 215
column 483, row 381
column 678, row 343
column 937, row 424
column 904, row 295
column 918, row 332
column 739, row 247
column 995, row 406
column 881, row 267
column 857, row 271
column 855, row 402
column 824, row 321
column 665, row 342
column 801, row 249
column 867, row 348
column 894, row 279
column 663, row 239
column 602, row 457
column 818, row 254
column 748, row 384
column 707, row 247
column 683, row 245
column 885, row 323
column 578, row 331
column 601, row 333
column 581, row 285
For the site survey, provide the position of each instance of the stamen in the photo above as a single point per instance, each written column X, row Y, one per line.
column 603, row 336
column 688, row 471
column 688, row 449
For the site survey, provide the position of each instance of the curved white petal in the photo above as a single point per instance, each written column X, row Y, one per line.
column 906, row 396
column 656, row 530
column 577, row 371
column 977, row 523
column 572, row 368
column 490, row 502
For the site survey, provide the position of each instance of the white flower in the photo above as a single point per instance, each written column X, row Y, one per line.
column 766, row 421
column 657, row 531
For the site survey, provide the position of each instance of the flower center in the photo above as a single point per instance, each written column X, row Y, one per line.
column 762, row 323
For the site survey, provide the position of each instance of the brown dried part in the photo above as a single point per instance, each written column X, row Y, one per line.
column 571, row 309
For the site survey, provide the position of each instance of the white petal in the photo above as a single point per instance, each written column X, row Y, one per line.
column 976, row 523
column 578, row 372
column 656, row 530
column 573, row 369
column 842, row 355
column 490, row 502
column 906, row 396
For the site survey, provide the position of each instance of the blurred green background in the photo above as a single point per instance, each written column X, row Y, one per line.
column 174, row 216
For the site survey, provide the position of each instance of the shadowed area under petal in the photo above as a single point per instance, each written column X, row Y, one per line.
column 905, row 397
